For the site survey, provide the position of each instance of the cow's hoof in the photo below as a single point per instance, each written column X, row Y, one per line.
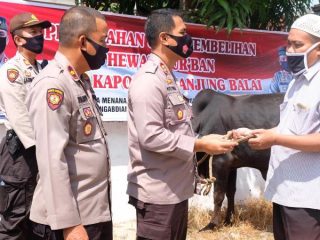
column 211, row 226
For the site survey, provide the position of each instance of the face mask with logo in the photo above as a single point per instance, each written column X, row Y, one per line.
column 3, row 44
column 297, row 62
column 184, row 46
column 34, row 44
column 97, row 60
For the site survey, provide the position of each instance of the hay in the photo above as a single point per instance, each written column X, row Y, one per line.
column 252, row 220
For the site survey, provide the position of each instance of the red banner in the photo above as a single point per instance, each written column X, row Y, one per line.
column 240, row 63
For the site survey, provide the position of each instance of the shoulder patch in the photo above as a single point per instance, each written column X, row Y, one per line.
column 12, row 74
column 54, row 98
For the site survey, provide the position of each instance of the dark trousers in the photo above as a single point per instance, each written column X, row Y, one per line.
column 295, row 223
column 161, row 222
column 99, row 231
column 18, row 170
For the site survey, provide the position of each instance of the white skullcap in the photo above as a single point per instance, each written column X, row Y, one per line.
column 309, row 23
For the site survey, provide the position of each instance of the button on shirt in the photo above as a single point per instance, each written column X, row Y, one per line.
column 160, row 137
column 293, row 178
column 72, row 151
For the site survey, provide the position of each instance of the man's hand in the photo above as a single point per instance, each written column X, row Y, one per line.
column 75, row 233
column 214, row 144
column 264, row 139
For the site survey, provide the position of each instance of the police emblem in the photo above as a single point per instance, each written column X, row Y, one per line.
column 180, row 114
column 73, row 73
column 54, row 98
column 87, row 128
column 88, row 112
column 12, row 74
column 169, row 81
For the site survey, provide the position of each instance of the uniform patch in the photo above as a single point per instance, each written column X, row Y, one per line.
column 180, row 114
column 87, row 128
column 54, row 98
column 73, row 73
column 88, row 112
column 12, row 74
column 82, row 99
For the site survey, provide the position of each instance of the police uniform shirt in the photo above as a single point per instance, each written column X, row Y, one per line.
column 15, row 78
column 72, row 151
column 280, row 82
column 160, row 137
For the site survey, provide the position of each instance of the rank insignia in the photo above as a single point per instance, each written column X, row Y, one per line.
column 88, row 112
column 169, row 81
column 26, row 62
column 12, row 74
column 54, row 98
column 73, row 73
column 180, row 114
column 87, row 128
column 164, row 68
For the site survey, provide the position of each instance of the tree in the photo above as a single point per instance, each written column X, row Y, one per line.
column 229, row 14
column 262, row 14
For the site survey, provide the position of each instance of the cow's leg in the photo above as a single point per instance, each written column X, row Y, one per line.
column 220, row 168
column 231, row 191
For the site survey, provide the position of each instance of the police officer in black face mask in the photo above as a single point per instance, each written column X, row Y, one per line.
column 18, row 167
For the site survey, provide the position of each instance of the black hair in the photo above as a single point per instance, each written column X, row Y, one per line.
column 78, row 21
column 160, row 20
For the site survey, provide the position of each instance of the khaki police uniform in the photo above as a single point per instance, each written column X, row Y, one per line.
column 18, row 168
column 161, row 143
column 72, row 151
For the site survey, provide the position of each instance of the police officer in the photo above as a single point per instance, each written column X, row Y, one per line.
column 72, row 197
column 282, row 78
column 3, row 40
column 18, row 167
column 160, row 137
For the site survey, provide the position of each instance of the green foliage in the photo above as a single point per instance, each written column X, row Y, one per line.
column 228, row 14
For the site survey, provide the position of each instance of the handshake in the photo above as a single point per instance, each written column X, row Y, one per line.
column 214, row 144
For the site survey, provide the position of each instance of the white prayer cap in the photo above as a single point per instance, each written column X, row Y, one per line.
column 309, row 23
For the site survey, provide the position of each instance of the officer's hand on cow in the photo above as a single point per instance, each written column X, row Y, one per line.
column 264, row 138
column 75, row 233
column 214, row 144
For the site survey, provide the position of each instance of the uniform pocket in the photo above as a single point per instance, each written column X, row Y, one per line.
column 154, row 231
column 87, row 125
column 299, row 121
column 4, row 198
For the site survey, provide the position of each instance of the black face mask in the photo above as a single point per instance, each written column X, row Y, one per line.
column 34, row 44
column 184, row 46
column 3, row 44
column 296, row 63
column 97, row 60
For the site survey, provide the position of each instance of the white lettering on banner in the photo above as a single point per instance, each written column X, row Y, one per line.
column 220, row 84
column 111, row 81
column 213, row 46
column 126, row 60
column 52, row 32
column 126, row 38
column 196, row 65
